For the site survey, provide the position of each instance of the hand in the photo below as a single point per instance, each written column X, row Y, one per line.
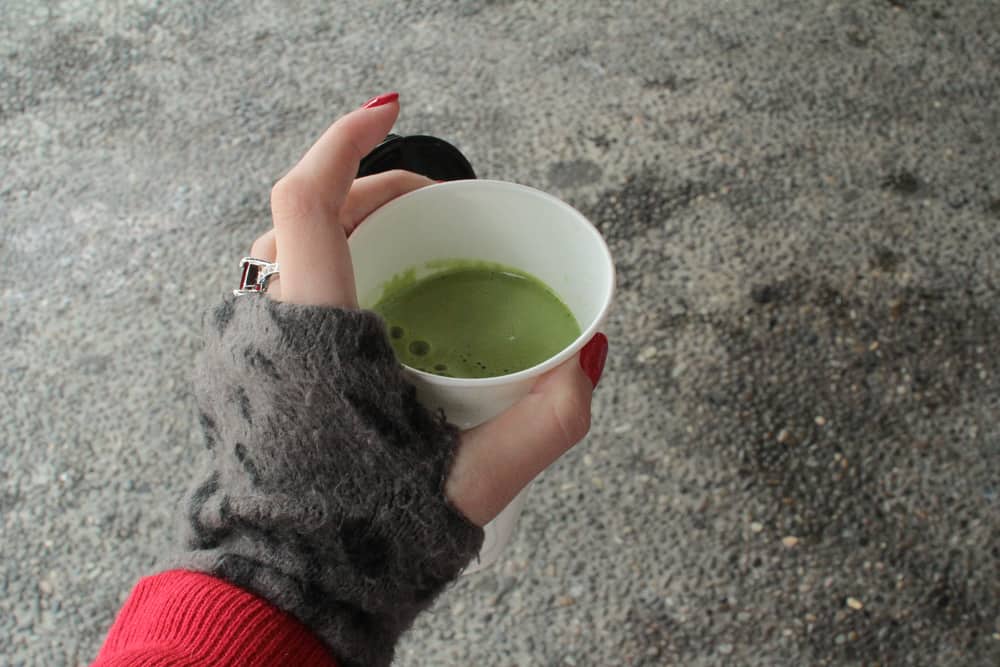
column 315, row 207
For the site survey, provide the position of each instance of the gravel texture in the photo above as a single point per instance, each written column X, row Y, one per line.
column 795, row 456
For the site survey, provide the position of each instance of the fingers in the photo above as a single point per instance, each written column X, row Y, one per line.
column 499, row 458
column 332, row 162
column 306, row 205
column 366, row 195
column 370, row 192
column 311, row 247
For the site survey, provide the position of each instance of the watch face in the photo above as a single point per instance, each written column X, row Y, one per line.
column 429, row 156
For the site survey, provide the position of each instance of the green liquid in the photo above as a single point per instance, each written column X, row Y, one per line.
column 475, row 321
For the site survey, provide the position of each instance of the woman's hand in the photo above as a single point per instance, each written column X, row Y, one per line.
column 315, row 207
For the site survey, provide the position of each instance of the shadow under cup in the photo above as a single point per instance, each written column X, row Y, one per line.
column 497, row 222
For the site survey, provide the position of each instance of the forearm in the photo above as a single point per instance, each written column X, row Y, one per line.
column 324, row 493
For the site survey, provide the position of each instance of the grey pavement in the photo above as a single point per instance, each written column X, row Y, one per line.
column 795, row 457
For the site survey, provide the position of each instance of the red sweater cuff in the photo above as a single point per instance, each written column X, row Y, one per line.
column 189, row 618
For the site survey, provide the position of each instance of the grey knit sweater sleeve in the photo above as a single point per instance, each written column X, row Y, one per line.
column 325, row 489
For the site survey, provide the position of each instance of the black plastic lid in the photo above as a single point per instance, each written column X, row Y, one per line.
column 434, row 158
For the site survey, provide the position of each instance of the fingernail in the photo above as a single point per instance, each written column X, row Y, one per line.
column 592, row 357
column 379, row 100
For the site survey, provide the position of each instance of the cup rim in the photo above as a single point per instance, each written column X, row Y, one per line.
column 585, row 334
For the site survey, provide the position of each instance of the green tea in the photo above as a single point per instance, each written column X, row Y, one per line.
column 475, row 321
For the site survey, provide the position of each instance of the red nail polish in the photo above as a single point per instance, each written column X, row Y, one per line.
column 379, row 100
column 592, row 357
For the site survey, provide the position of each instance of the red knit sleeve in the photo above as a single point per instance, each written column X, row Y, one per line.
column 192, row 619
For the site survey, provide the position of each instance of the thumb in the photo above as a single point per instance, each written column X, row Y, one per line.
column 500, row 457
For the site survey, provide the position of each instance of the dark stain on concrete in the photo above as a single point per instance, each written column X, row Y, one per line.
column 763, row 294
column 902, row 182
column 645, row 200
column 833, row 408
column 885, row 259
column 668, row 81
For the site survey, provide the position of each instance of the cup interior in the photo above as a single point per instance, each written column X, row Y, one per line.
column 490, row 221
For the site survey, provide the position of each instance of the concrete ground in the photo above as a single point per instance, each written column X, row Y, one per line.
column 795, row 457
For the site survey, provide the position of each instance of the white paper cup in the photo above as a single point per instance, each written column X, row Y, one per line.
column 490, row 221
